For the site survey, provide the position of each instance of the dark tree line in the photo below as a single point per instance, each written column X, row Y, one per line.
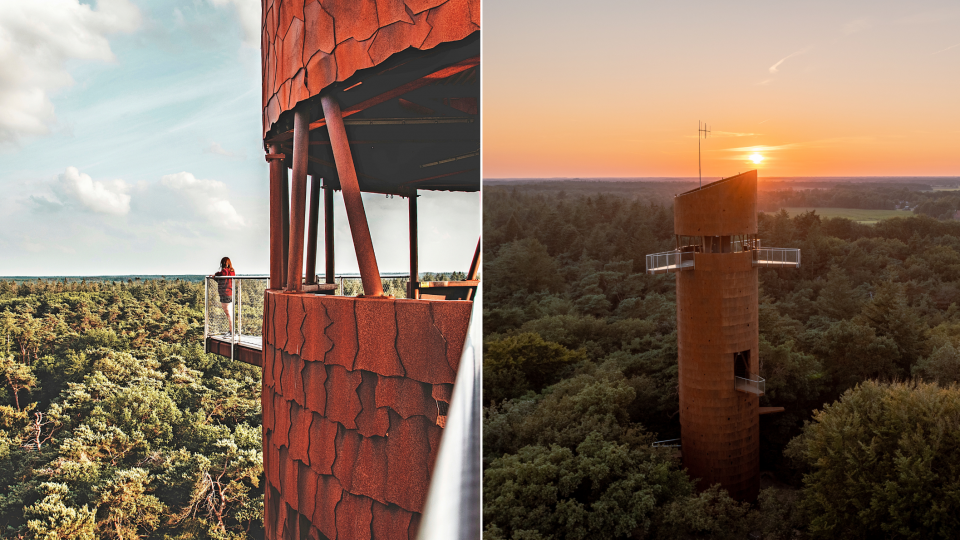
column 921, row 199
column 580, row 369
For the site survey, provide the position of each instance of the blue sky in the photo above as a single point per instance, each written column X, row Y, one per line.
column 130, row 143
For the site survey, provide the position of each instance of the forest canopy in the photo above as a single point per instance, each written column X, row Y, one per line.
column 581, row 362
column 115, row 424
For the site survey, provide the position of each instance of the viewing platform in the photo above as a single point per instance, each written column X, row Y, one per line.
column 670, row 261
column 750, row 386
column 765, row 257
column 246, row 308
column 776, row 257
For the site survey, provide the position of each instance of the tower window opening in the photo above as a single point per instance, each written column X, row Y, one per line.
column 741, row 364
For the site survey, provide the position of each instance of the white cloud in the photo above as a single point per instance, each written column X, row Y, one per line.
column 36, row 40
column 775, row 68
column 99, row 197
column 945, row 50
column 248, row 11
column 207, row 199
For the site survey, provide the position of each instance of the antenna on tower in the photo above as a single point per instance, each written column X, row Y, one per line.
column 701, row 129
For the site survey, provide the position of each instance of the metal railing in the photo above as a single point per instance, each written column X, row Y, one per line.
column 669, row 261
column 783, row 257
column 245, row 307
column 240, row 320
column 452, row 509
column 667, row 443
column 751, row 386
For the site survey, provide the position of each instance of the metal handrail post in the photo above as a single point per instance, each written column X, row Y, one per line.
column 233, row 304
column 239, row 299
column 206, row 300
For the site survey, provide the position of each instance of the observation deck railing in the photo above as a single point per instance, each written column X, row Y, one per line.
column 768, row 257
column 750, row 386
column 669, row 261
column 246, row 311
column 777, row 257
column 667, row 443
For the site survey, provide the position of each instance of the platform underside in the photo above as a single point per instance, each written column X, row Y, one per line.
column 247, row 349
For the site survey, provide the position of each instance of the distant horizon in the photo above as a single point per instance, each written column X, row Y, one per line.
column 714, row 178
column 694, row 178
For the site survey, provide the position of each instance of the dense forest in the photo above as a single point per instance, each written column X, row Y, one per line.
column 115, row 424
column 859, row 345
column 113, row 421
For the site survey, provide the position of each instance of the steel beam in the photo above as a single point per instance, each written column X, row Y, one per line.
column 276, row 217
column 312, row 230
column 474, row 264
column 328, row 233
column 356, row 216
column 285, row 219
column 298, row 199
column 413, row 289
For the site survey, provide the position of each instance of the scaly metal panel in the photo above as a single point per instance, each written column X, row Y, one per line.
column 723, row 208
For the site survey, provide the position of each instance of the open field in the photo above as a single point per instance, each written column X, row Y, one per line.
column 856, row 214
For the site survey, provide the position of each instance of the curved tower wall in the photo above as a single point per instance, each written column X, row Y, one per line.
column 352, row 392
column 307, row 45
column 717, row 317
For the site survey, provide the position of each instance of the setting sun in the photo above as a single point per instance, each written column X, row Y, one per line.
column 756, row 158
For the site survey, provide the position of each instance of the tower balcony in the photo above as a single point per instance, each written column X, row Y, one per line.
column 669, row 261
column 748, row 385
column 242, row 338
column 771, row 257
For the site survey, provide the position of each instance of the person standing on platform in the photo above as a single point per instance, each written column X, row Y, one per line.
column 225, row 289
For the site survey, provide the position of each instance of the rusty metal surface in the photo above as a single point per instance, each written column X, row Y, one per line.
column 351, row 392
column 474, row 270
column 298, row 201
column 328, row 231
column 306, row 45
column 717, row 316
column 357, row 217
column 723, row 208
column 284, row 223
column 276, row 218
column 412, row 286
column 313, row 230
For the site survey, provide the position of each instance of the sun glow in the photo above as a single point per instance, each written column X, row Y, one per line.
column 756, row 158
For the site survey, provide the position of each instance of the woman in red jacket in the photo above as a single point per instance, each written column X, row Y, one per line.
column 225, row 289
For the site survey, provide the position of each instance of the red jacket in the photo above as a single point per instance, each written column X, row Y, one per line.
column 225, row 286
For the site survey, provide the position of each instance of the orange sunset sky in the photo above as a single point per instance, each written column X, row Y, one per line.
column 616, row 88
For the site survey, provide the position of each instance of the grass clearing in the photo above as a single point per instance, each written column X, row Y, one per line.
column 859, row 215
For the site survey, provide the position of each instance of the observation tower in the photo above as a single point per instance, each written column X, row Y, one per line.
column 360, row 96
column 716, row 261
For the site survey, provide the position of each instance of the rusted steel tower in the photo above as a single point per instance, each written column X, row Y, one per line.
column 360, row 96
column 716, row 260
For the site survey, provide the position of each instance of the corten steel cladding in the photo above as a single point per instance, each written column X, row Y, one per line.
column 717, row 317
column 353, row 394
column 307, row 45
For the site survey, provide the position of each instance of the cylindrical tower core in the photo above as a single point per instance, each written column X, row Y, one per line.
column 718, row 335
